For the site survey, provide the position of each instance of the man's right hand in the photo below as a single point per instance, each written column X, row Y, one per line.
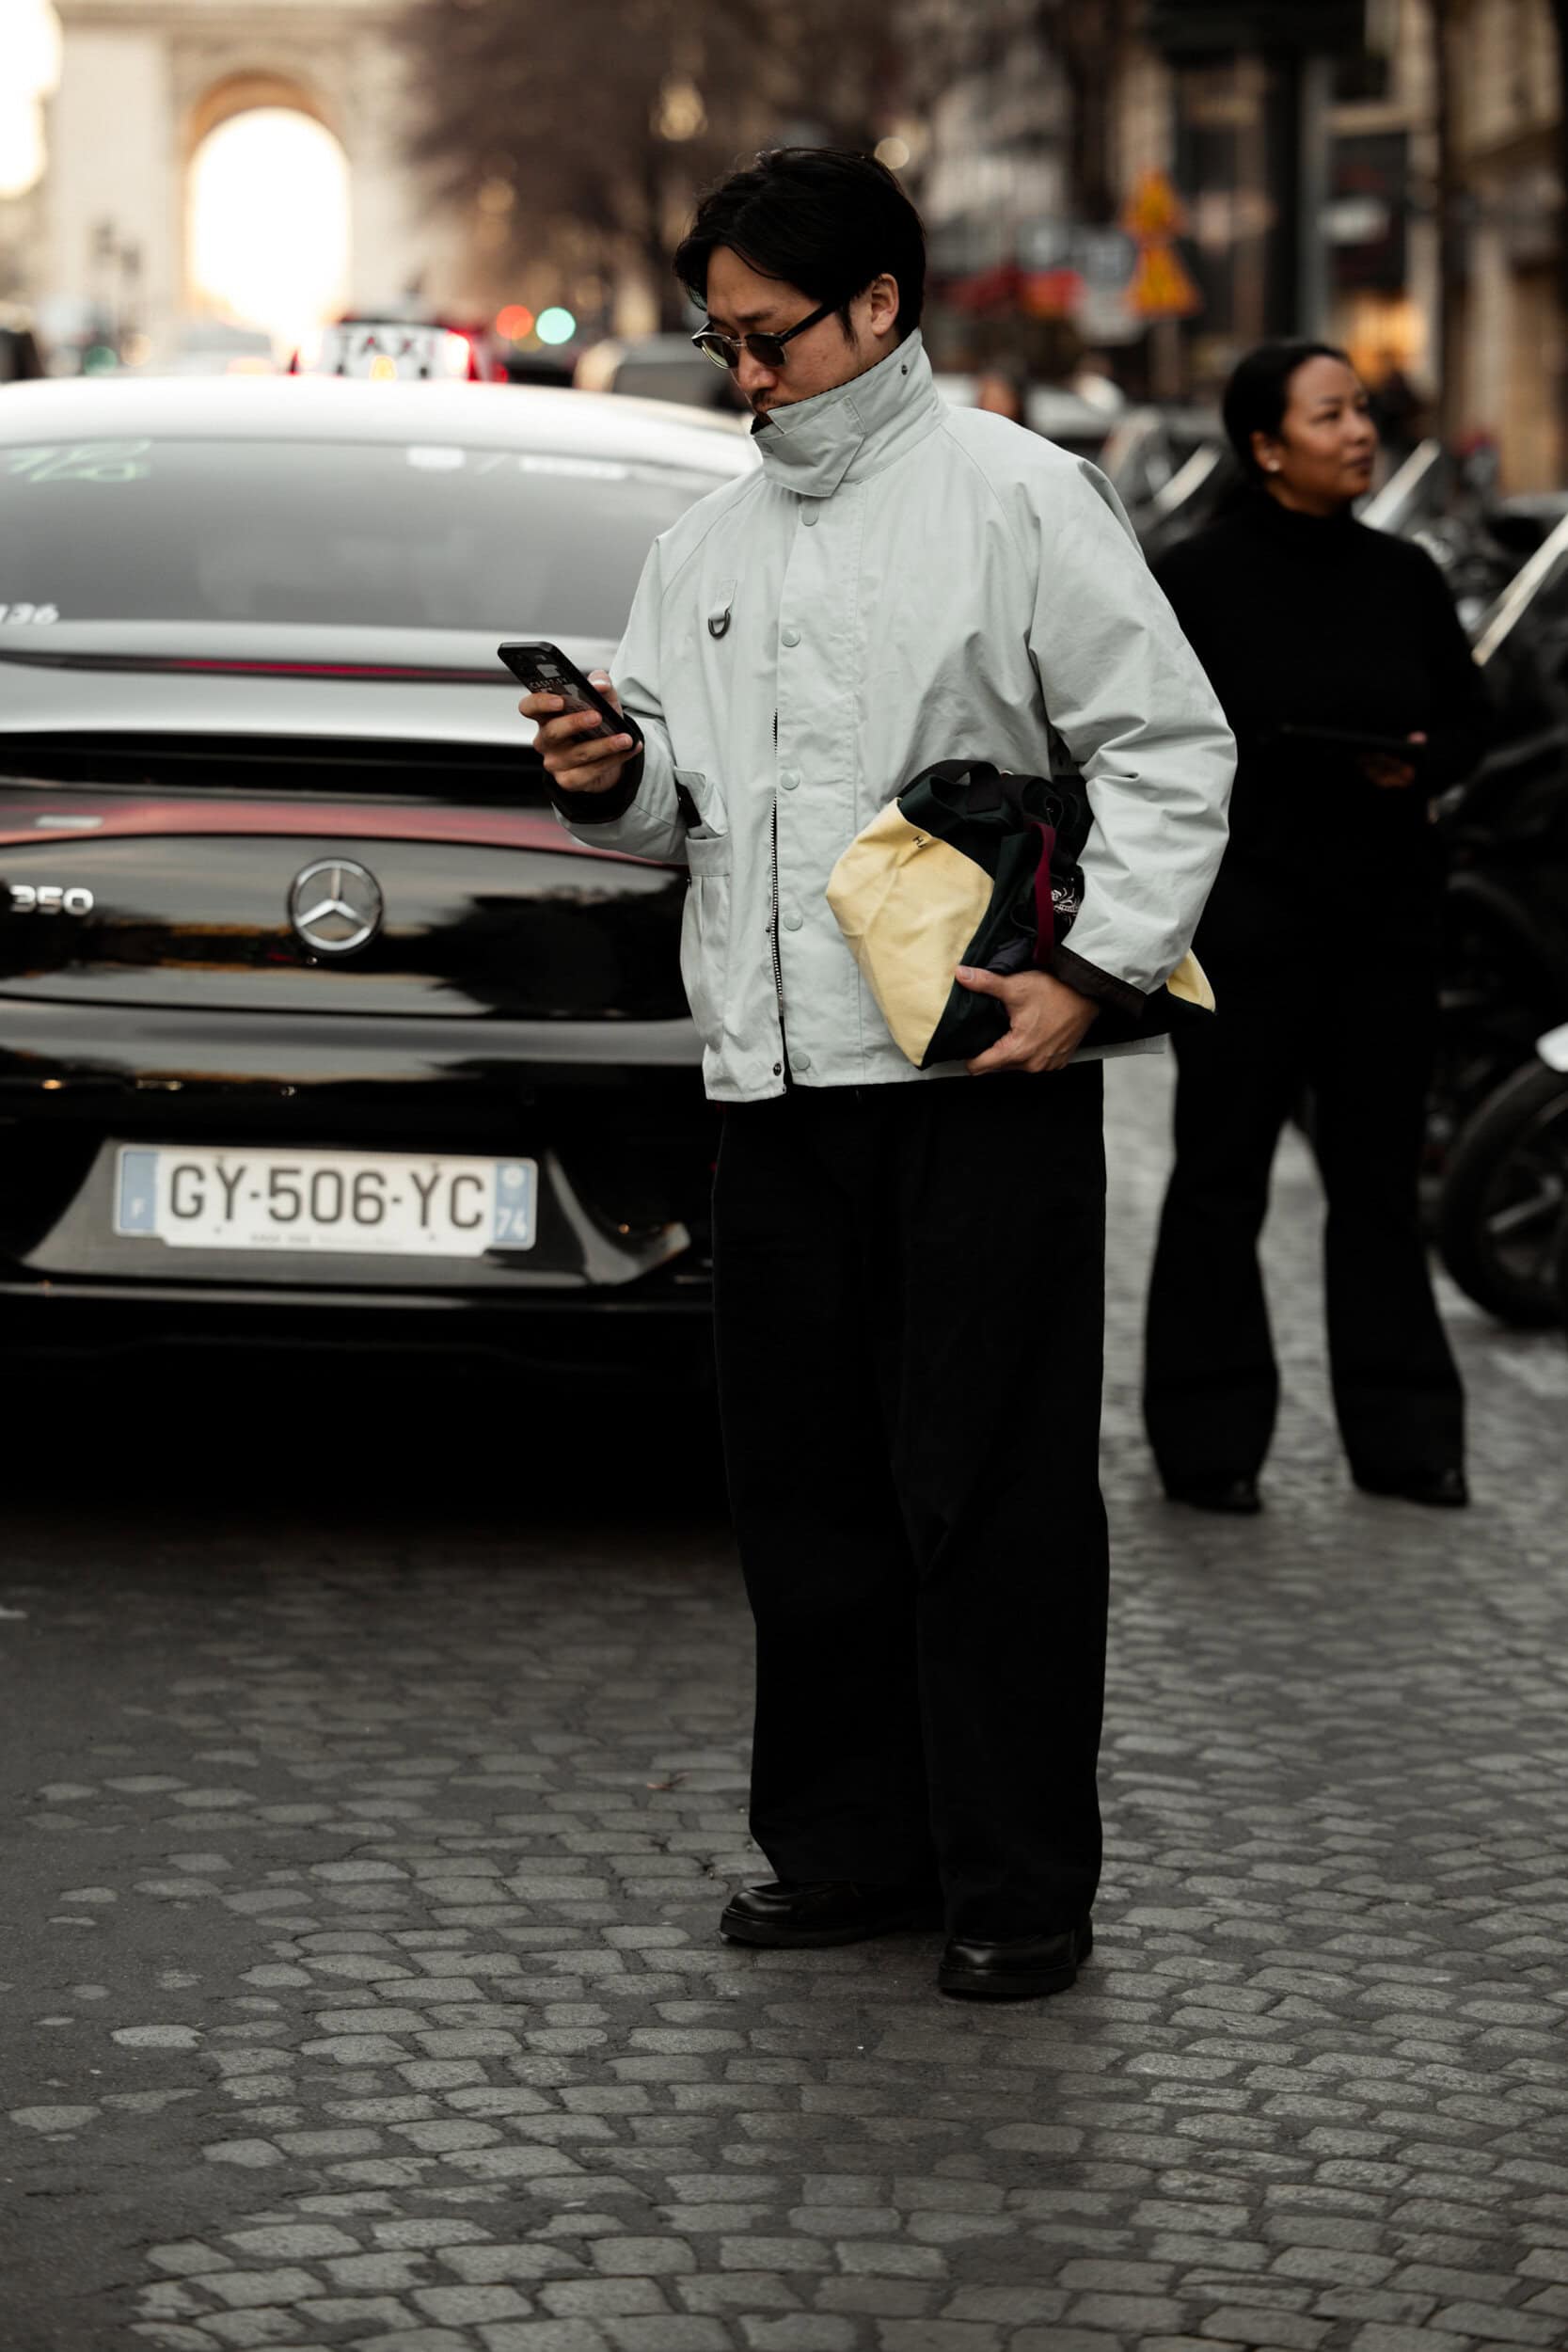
column 576, row 759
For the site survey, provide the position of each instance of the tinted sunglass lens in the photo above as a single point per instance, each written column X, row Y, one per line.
column 767, row 350
column 719, row 349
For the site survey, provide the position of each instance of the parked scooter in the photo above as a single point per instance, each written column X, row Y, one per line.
column 1504, row 970
column 1502, row 1223
column 1449, row 507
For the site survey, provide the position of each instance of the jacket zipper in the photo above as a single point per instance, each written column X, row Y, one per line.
column 773, row 920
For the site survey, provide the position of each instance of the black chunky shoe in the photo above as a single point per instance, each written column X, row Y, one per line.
column 808, row 1917
column 1238, row 1496
column 1444, row 1489
column 1024, row 1968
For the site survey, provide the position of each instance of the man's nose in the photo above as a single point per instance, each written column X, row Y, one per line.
column 752, row 377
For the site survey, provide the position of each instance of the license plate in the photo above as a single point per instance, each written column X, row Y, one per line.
column 388, row 1202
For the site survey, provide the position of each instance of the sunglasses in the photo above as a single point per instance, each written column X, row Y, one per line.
column 768, row 350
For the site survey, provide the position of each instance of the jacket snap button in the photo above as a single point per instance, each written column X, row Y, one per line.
column 789, row 780
column 800, row 1061
column 792, row 636
column 809, row 518
column 793, row 922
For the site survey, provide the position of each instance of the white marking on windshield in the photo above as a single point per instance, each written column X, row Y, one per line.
column 88, row 461
column 586, row 468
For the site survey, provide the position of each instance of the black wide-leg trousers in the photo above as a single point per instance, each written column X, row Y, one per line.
column 1360, row 1043
column 910, row 1293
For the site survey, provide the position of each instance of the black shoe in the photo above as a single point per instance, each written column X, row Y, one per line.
column 1445, row 1489
column 808, row 1917
column 1021, row 1969
column 1238, row 1496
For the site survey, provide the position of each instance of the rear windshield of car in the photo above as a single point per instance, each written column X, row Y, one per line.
column 422, row 536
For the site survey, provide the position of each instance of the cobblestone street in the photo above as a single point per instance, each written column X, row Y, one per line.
column 376, row 1766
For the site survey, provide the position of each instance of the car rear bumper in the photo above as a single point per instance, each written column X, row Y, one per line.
column 613, row 1114
column 77, row 1046
column 669, row 1336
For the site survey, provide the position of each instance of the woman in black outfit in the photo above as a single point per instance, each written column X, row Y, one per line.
column 1319, row 938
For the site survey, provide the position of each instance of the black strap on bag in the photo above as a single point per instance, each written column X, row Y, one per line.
column 995, row 819
column 979, row 800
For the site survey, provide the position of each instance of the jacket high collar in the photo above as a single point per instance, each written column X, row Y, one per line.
column 811, row 446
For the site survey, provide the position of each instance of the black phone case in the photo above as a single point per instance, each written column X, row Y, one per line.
column 516, row 659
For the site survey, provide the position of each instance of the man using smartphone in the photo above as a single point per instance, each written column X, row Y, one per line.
column 908, row 1266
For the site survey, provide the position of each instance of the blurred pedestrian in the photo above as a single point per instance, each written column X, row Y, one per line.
column 907, row 1263
column 1398, row 410
column 1002, row 388
column 1342, row 667
column 1094, row 381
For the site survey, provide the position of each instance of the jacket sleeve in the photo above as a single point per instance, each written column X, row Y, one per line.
column 641, row 813
column 1127, row 696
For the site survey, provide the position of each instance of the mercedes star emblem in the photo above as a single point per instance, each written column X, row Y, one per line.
column 335, row 906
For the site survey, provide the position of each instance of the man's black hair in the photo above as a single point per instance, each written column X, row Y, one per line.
column 1258, row 393
column 822, row 219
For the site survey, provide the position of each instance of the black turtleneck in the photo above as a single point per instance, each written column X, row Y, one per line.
column 1325, row 624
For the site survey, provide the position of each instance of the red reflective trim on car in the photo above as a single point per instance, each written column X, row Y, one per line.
column 495, row 828
column 228, row 665
column 230, row 668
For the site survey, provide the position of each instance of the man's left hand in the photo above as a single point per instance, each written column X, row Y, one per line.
column 1387, row 772
column 1047, row 1020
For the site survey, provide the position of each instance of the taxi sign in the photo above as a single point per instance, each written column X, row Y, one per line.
column 392, row 352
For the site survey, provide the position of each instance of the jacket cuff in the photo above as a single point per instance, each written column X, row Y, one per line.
column 1089, row 980
column 600, row 808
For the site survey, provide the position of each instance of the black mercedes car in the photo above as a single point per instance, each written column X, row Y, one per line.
column 306, row 999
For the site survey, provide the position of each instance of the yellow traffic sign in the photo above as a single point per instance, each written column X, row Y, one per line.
column 1154, row 212
column 1160, row 288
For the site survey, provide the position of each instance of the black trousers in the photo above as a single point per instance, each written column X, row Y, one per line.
column 1362, row 1043
column 909, row 1290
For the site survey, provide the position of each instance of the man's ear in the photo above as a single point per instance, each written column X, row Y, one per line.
column 883, row 293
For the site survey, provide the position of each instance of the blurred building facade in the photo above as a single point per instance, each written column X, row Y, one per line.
column 1508, row 333
column 1384, row 173
column 1161, row 181
column 144, row 83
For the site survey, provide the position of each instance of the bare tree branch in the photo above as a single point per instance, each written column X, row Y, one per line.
column 604, row 120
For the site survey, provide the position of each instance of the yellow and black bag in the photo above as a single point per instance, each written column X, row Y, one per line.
column 970, row 865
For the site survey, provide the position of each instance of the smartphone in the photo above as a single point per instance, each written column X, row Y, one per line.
column 545, row 670
column 1350, row 739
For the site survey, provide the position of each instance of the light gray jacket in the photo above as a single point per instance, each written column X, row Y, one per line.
column 901, row 583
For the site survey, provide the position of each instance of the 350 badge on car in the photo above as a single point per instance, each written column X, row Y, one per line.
column 425, row 1206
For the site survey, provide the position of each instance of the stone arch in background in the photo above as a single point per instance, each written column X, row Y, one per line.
column 249, row 93
column 267, row 207
column 144, row 82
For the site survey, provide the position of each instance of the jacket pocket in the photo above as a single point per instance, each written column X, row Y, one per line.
column 705, row 938
column 706, row 924
column 712, row 831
